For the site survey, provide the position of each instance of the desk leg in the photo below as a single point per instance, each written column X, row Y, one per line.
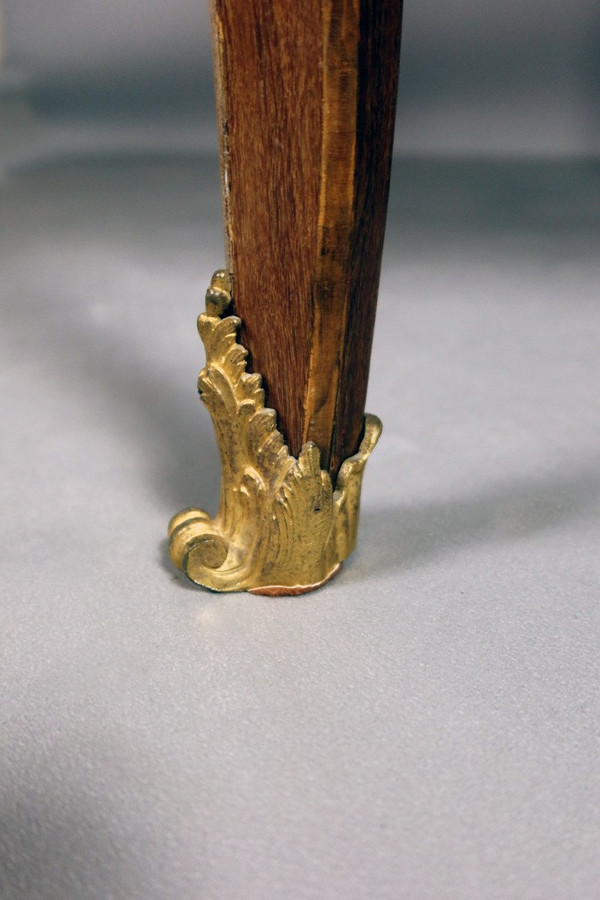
column 306, row 96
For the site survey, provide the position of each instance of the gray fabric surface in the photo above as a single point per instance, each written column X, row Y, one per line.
column 424, row 727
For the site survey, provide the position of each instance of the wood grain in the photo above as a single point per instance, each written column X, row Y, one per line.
column 306, row 97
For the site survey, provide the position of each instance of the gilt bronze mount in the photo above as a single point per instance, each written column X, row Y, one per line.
column 283, row 527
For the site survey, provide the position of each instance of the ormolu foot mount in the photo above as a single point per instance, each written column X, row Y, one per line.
column 282, row 526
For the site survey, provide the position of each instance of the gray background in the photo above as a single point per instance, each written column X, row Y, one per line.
column 502, row 77
column 427, row 726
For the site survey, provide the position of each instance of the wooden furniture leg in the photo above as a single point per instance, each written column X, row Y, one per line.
column 306, row 96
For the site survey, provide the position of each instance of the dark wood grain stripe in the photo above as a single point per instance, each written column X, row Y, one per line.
column 306, row 99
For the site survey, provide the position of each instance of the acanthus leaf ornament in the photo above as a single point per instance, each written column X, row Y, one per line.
column 282, row 526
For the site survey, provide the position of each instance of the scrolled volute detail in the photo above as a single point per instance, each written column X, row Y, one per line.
column 282, row 527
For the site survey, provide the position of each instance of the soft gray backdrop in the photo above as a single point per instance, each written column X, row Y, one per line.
column 427, row 726
column 485, row 77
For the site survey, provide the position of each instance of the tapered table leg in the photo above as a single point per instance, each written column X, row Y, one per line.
column 306, row 98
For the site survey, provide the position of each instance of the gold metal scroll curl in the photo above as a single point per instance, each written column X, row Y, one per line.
column 282, row 526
